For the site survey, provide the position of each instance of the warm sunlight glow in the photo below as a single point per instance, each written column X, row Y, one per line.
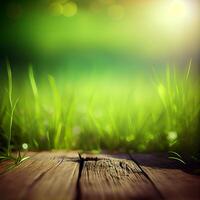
column 175, row 15
column 179, row 8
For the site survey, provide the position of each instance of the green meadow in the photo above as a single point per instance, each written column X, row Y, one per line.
column 98, row 78
column 158, row 111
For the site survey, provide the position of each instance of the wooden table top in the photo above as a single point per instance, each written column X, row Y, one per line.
column 62, row 175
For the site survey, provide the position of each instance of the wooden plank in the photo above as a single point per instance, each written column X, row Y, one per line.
column 62, row 175
column 106, row 177
column 51, row 175
column 8, row 164
column 168, row 177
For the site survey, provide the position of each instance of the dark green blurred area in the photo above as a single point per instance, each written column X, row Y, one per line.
column 100, row 74
column 113, row 35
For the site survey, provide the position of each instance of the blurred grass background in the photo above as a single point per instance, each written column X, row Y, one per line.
column 101, row 74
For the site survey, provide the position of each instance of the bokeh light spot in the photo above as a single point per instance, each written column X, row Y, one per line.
column 161, row 90
column 172, row 136
column 25, row 146
column 76, row 130
column 70, row 9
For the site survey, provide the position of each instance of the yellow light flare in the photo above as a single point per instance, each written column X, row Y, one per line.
column 179, row 8
column 174, row 16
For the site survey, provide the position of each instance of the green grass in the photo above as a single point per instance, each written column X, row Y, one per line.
column 7, row 155
column 102, row 112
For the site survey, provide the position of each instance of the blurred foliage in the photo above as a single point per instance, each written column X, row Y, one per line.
column 156, row 112
column 92, row 86
column 148, row 29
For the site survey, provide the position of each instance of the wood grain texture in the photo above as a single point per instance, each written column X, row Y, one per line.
column 169, row 178
column 60, row 175
column 105, row 177
column 9, row 164
column 46, row 175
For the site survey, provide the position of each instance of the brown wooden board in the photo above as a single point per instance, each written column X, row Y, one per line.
column 168, row 177
column 60, row 175
column 46, row 175
column 6, row 165
column 106, row 177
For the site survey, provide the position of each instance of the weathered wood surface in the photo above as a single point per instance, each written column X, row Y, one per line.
column 66, row 176
column 43, row 176
column 167, row 176
column 104, row 177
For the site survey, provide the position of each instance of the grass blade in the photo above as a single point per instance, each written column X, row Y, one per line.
column 178, row 159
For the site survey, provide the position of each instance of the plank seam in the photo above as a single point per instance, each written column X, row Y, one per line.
column 147, row 176
column 81, row 162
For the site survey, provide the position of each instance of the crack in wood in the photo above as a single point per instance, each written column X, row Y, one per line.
column 69, row 176
column 83, row 161
column 119, row 170
column 78, row 184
